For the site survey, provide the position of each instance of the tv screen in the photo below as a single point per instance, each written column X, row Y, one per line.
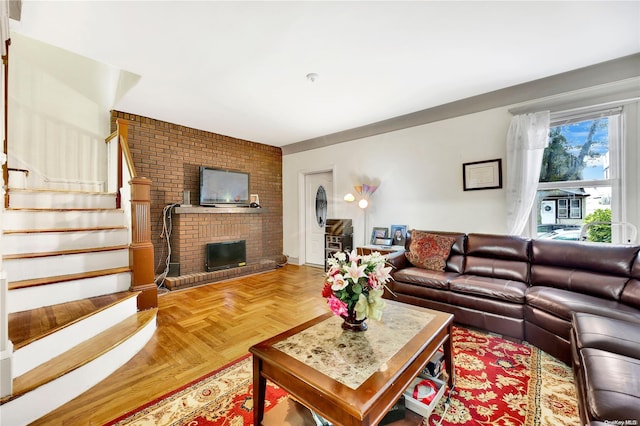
column 223, row 187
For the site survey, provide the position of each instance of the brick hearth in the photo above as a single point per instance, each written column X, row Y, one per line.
column 191, row 280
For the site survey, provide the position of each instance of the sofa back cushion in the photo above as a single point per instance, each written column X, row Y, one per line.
column 498, row 256
column 455, row 262
column 598, row 269
column 631, row 292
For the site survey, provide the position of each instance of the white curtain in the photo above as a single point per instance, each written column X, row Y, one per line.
column 527, row 138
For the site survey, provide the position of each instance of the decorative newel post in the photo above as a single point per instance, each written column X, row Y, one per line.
column 141, row 249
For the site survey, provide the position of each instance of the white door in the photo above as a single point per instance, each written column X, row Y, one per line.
column 318, row 207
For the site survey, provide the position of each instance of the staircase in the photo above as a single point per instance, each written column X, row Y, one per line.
column 72, row 317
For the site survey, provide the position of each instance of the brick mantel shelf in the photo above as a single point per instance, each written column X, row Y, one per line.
column 216, row 210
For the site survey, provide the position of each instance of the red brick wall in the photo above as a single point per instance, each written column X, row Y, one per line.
column 170, row 155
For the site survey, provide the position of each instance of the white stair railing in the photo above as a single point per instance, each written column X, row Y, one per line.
column 58, row 154
column 6, row 347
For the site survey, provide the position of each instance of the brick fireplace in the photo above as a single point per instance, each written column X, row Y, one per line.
column 195, row 227
column 170, row 155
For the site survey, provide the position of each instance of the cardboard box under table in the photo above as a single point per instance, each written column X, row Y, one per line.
column 420, row 407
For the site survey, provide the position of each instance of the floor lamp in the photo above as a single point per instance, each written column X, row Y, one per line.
column 363, row 191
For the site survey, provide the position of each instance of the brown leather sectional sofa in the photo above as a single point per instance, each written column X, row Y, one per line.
column 577, row 301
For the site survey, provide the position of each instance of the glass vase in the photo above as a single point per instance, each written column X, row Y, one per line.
column 350, row 322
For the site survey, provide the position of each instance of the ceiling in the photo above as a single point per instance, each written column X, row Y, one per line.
column 239, row 68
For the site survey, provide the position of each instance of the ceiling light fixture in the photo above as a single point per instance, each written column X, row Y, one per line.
column 312, row 77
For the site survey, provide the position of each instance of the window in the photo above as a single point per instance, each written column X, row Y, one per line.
column 580, row 175
column 563, row 209
column 575, row 212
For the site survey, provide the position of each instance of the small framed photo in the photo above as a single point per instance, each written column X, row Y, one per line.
column 398, row 234
column 254, row 199
column 379, row 233
column 482, row 175
column 386, row 242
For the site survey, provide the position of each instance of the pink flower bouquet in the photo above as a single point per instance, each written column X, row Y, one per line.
column 356, row 284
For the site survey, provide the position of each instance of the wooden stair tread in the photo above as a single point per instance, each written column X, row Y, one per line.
column 81, row 354
column 28, row 326
column 64, row 252
column 62, row 230
column 62, row 191
column 68, row 277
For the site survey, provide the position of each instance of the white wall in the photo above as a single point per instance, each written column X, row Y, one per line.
column 420, row 175
column 60, row 106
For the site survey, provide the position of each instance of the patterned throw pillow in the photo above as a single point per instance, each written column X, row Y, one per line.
column 429, row 251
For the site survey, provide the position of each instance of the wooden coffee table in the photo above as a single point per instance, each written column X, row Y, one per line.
column 346, row 377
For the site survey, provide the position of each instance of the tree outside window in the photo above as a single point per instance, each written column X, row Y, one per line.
column 576, row 177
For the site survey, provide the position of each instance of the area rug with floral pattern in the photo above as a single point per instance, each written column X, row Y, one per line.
column 222, row 397
column 498, row 382
column 504, row 383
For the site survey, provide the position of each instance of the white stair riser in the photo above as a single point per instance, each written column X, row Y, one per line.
column 43, row 400
column 25, row 219
column 52, row 266
column 47, row 242
column 23, row 299
column 60, row 200
column 42, row 350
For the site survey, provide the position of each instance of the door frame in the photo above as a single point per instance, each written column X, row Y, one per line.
column 302, row 229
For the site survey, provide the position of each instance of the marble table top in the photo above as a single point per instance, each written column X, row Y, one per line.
column 352, row 357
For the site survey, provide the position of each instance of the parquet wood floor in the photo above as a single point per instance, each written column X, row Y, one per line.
column 200, row 329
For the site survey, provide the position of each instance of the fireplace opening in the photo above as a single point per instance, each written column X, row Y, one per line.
column 225, row 255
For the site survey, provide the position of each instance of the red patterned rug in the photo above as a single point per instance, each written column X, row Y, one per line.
column 498, row 382
column 222, row 397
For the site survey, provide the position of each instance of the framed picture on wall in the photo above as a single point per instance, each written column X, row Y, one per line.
column 398, row 234
column 482, row 175
column 379, row 233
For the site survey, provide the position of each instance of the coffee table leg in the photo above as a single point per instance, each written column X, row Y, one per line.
column 259, row 390
column 448, row 357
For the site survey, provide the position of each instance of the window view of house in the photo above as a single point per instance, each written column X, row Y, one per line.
column 575, row 199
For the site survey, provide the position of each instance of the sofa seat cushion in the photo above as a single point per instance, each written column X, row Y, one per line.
column 562, row 303
column 607, row 334
column 424, row 277
column 491, row 288
column 486, row 305
column 611, row 385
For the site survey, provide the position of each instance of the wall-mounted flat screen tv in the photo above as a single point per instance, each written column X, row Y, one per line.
column 220, row 188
